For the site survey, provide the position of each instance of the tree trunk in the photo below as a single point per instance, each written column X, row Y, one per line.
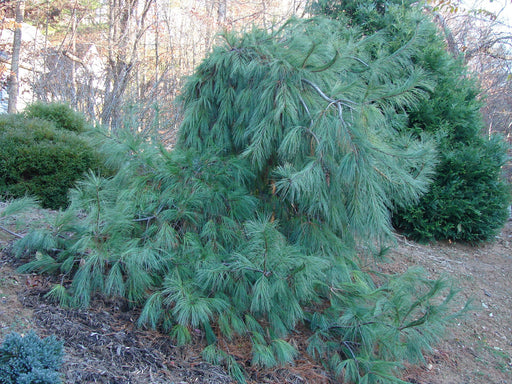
column 15, row 61
column 124, row 36
column 74, row 26
column 221, row 12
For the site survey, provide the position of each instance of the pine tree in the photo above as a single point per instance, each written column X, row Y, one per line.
column 468, row 199
column 313, row 108
column 290, row 154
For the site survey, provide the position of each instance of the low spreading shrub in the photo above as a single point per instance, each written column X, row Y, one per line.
column 38, row 159
column 63, row 116
column 29, row 359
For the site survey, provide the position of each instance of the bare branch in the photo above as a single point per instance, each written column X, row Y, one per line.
column 344, row 102
column 11, row 233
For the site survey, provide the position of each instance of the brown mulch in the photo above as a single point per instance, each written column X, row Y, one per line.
column 104, row 345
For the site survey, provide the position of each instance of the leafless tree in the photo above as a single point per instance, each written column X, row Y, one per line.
column 15, row 60
column 123, row 61
column 127, row 26
column 483, row 39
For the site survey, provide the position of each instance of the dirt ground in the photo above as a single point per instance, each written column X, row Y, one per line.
column 478, row 348
column 104, row 345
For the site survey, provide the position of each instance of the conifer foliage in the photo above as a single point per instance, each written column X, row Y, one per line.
column 289, row 155
column 313, row 108
column 39, row 158
column 28, row 359
column 468, row 198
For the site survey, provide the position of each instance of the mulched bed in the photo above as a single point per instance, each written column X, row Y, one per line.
column 103, row 345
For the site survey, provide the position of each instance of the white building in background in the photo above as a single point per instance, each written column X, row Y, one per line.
column 4, row 100
column 48, row 73
column 32, row 43
column 4, row 95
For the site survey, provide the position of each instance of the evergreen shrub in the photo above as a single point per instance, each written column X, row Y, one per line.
column 40, row 160
column 469, row 198
column 290, row 155
column 29, row 360
column 62, row 115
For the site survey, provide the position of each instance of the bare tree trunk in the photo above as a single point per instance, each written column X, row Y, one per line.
column 157, row 45
column 450, row 41
column 74, row 25
column 221, row 12
column 15, row 61
column 122, row 55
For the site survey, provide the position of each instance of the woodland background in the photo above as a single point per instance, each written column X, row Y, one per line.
column 122, row 60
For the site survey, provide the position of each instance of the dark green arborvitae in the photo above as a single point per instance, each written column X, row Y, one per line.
column 371, row 16
column 468, row 199
column 290, row 154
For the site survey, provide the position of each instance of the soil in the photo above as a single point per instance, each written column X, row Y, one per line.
column 104, row 345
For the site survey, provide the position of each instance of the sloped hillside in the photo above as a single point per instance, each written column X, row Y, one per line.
column 103, row 344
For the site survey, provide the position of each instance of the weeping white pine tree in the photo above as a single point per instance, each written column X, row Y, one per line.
column 313, row 108
column 291, row 153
